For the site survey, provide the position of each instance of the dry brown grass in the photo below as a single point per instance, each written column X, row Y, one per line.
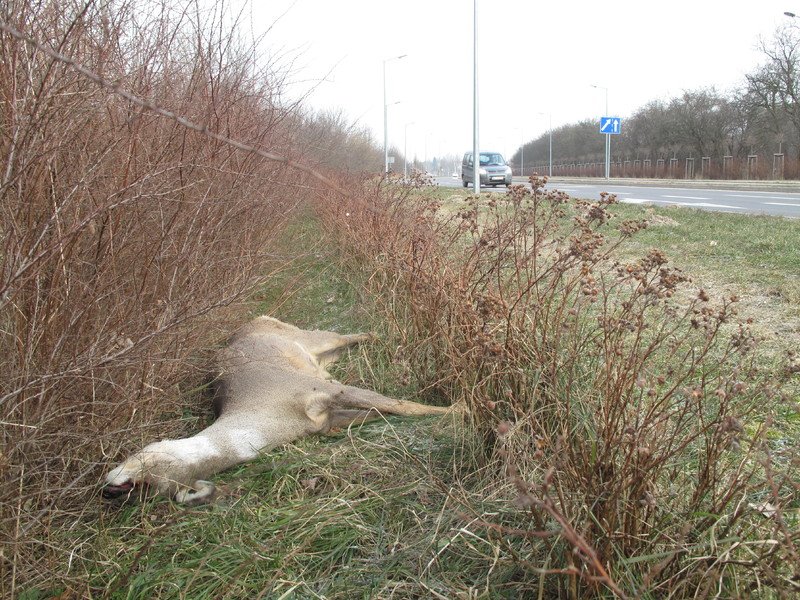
column 631, row 412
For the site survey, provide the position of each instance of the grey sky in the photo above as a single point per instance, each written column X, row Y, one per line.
column 534, row 57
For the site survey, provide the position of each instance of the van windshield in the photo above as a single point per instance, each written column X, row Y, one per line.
column 492, row 159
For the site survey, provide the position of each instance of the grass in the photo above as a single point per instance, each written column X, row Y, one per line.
column 395, row 508
column 323, row 518
column 360, row 510
column 632, row 392
column 760, row 254
column 402, row 508
column 755, row 257
column 312, row 292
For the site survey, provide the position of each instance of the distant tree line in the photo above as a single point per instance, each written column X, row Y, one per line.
column 330, row 141
column 750, row 132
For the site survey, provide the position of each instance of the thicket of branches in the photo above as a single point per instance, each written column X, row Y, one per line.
column 761, row 118
column 128, row 240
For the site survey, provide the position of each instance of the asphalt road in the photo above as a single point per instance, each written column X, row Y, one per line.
column 736, row 199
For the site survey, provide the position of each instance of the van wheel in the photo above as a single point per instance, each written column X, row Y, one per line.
column 464, row 181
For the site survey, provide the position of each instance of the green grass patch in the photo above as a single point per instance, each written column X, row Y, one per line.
column 759, row 253
column 364, row 513
column 311, row 292
column 756, row 257
column 396, row 508
column 336, row 517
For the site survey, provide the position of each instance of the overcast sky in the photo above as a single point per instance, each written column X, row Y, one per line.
column 534, row 57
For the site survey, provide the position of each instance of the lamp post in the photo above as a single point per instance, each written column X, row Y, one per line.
column 608, row 135
column 550, row 132
column 476, row 151
column 386, row 116
column 405, row 149
column 790, row 14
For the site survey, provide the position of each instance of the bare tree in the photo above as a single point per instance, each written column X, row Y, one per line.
column 702, row 121
column 648, row 133
column 775, row 85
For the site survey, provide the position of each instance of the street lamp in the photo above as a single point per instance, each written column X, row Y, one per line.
column 476, row 151
column 405, row 149
column 550, row 128
column 790, row 14
column 608, row 135
column 386, row 116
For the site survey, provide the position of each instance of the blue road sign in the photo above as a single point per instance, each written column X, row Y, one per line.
column 611, row 125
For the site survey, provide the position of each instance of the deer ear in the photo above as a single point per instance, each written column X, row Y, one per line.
column 318, row 409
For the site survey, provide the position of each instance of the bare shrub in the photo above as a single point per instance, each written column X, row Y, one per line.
column 631, row 414
column 127, row 242
column 332, row 143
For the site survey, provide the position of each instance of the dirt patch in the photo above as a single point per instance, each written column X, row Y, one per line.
column 774, row 320
column 661, row 221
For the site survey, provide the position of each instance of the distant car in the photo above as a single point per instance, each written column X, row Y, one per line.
column 492, row 170
column 455, row 175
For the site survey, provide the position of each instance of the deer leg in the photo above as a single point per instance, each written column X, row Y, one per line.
column 329, row 347
column 347, row 396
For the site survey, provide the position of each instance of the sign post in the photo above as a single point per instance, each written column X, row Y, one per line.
column 610, row 126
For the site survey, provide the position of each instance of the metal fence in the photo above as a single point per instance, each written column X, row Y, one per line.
column 754, row 167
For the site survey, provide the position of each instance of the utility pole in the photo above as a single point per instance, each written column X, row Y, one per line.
column 476, row 152
column 608, row 135
column 550, row 165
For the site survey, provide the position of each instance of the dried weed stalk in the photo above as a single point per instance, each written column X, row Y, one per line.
column 631, row 414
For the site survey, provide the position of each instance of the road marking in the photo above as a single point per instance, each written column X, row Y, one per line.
column 712, row 205
column 596, row 191
column 761, row 197
column 773, row 192
column 689, row 204
column 688, row 197
column 781, row 203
